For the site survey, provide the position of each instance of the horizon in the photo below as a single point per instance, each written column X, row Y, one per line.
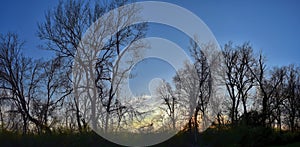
column 147, row 72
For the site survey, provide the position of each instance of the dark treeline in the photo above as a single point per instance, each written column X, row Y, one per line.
column 38, row 96
column 268, row 96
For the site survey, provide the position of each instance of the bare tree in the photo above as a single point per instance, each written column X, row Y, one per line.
column 291, row 92
column 264, row 89
column 245, row 81
column 6, row 111
column 56, row 87
column 204, row 78
column 63, row 32
column 276, row 102
column 186, row 84
column 21, row 75
column 230, row 79
column 239, row 62
column 168, row 96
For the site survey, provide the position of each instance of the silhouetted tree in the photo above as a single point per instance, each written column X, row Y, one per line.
column 265, row 89
column 169, row 98
column 276, row 99
column 291, row 94
column 21, row 76
column 56, row 87
column 63, row 32
column 231, row 56
column 204, row 78
column 194, row 83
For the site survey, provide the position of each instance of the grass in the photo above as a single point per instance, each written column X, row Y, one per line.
column 297, row 144
column 239, row 136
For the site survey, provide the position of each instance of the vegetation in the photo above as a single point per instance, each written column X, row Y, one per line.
column 39, row 105
column 238, row 136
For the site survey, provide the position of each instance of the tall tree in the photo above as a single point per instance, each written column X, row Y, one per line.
column 239, row 61
column 21, row 76
column 230, row 79
column 56, row 87
column 278, row 75
column 194, row 83
column 264, row 89
column 245, row 81
column 168, row 96
column 291, row 95
column 63, row 32
column 204, row 78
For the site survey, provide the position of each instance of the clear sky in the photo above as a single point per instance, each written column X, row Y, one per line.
column 272, row 26
column 21, row 17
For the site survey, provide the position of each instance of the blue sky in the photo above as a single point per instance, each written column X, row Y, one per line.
column 272, row 26
column 21, row 17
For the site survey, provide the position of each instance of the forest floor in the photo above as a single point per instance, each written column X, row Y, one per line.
column 240, row 136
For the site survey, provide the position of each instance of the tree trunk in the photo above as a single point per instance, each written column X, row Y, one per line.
column 24, row 124
column 2, row 121
column 245, row 112
column 196, row 125
column 233, row 113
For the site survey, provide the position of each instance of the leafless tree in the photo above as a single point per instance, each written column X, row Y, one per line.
column 56, row 86
column 245, row 81
column 292, row 92
column 204, row 78
column 278, row 75
column 168, row 96
column 63, row 32
column 263, row 86
column 21, row 76
column 239, row 61
column 194, row 83
column 230, row 79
